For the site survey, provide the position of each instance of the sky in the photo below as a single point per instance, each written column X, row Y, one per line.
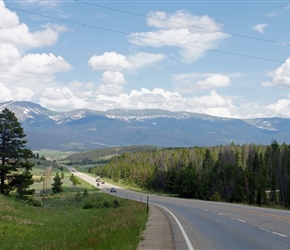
column 222, row 58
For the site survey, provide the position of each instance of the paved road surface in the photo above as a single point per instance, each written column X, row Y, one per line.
column 211, row 225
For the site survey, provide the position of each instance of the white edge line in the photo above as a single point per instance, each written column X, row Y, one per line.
column 265, row 229
column 190, row 247
column 273, row 232
column 279, row 234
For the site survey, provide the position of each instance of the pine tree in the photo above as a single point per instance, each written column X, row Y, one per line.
column 15, row 170
column 274, row 166
column 57, row 185
column 188, row 182
column 171, row 181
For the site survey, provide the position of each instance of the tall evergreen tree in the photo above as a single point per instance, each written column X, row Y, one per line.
column 274, row 165
column 171, row 181
column 283, row 175
column 188, row 182
column 15, row 170
column 57, row 185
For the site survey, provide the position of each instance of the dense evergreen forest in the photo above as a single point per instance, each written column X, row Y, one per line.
column 248, row 173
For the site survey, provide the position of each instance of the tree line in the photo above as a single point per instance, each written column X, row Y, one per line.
column 248, row 173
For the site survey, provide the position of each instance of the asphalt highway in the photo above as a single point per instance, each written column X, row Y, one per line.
column 213, row 225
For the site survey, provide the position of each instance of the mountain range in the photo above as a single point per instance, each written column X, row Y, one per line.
column 85, row 129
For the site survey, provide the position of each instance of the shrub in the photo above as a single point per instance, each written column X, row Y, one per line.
column 78, row 196
column 107, row 204
column 30, row 200
column 85, row 193
column 88, row 205
column 116, row 203
column 36, row 203
column 74, row 180
column 216, row 197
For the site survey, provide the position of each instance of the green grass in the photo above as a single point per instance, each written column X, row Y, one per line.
column 63, row 223
column 59, row 155
column 70, row 220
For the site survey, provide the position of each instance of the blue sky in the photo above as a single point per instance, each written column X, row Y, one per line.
column 222, row 58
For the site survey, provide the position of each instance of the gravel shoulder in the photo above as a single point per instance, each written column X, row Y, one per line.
column 158, row 233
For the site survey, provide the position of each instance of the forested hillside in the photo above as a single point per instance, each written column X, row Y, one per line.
column 254, row 174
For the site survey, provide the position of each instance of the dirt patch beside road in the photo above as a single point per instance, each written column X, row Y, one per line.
column 158, row 233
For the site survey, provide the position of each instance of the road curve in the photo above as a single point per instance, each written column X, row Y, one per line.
column 215, row 225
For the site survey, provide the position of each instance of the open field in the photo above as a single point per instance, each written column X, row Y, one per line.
column 79, row 218
column 72, row 221
column 56, row 154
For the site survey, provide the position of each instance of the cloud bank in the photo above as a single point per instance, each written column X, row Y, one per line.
column 175, row 38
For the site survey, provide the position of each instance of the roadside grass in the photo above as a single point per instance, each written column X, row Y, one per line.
column 72, row 221
column 78, row 218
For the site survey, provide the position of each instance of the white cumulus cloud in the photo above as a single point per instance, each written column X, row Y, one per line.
column 113, row 77
column 193, row 35
column 18, row 34
column 214, row 81
column 42, row 64
column 9, row 56
column 110, row 61
column 5, row 93
column 61, row 99
column 193, row 82
column 31, row 70
column 281, row 76
column 25, row 75
column 9, row 93
column 159, row 98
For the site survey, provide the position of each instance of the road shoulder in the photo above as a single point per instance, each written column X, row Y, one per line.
column 158, row 233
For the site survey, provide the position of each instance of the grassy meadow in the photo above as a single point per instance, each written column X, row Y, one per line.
column 70, row 221
column 78, row 218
